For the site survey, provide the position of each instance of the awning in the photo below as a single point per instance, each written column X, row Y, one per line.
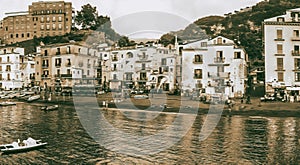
column 293, row 88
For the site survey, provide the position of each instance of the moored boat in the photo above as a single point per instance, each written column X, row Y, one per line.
column 34, row 98
column 141, row 96
column 50, row 108
column 26, row 145
column 7, row 103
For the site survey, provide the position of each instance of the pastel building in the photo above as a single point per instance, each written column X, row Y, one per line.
column 71, row 64
column 43, row 18
column 11, row 59
column 216, row 67
column 282, row 50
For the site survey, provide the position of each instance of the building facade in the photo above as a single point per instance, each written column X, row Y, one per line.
column 69, row 64
column 282, row 50
column 216, row 67
column 43, row 18
column 11, row 59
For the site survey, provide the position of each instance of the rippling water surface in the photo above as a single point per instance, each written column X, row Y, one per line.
column 236, row 139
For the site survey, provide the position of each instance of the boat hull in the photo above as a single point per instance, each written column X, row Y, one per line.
column 22, row 149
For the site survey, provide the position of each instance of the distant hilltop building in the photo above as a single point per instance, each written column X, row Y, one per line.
column 43, row 18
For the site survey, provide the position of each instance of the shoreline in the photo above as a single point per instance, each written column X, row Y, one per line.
column 256, row 108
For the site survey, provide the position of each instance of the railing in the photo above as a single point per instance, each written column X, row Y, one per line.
column 45, row 66
column 218, row 75
column 68, row 65
column 219, row 59
column 197, row 61
column 295, row 53
column 295, row 38
column 66, row 75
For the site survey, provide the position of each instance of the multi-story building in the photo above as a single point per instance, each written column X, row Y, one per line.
column 216, row 67
column 68, row 63
column 149, row 67
column 11, row 59
column 43, row 18
column 282, row 50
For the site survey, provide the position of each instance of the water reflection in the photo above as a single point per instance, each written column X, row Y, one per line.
column 235, row 140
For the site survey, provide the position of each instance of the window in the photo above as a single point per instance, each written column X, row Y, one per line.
column 163, row 61
column 53, row 19
column 280, row 76
column 198, row 58
column 279, row 63
column 48, row 19
column 53, row 26
column 279, row 48
column 219, row 41
column 237, row 55
column 58, row 51
column 28, row 34
column 42, row 27
column 58, row 62
column 297, row 76
column 42, row 19
column 280, row 19
column 17, row 35
column 279, row 33
column 297, row 63
column 203, row 44
column 59, row 26
column 296, row 33
column 59, row 19
column 198, row 73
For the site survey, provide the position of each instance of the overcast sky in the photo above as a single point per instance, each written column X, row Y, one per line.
column 173, row 14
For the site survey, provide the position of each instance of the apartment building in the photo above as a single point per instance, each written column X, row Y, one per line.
column 43, row 18
column 216, row 67
column 281, row 50
column 142, row 67
column 11, row 59
column 68, row 63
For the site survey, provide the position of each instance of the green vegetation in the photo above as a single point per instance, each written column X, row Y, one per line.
column 244, row 27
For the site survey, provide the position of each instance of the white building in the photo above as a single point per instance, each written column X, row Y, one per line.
column 10, row 73
column 143, row 67
column 215, row 67
column 282, row 55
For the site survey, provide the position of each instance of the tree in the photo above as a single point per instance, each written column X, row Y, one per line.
column 124, row 41
column 87, row 17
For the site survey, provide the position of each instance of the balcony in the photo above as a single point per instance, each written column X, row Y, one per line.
column 295, row 53
column 45, row 76
column 196, row 76
column 68, row 65
column 45, row 66
column 278, row 39
column 295, row 38
column 115, row 59
column 198, row 61
column 219, row 59
column 219, row 75
column 88, row 65
column 66, row 75
column 58, row 53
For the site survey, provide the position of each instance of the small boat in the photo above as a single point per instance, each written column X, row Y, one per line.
column 26, row 145
column 50, row 108
column 141, row 97
column 33, row 98
column 7, row 103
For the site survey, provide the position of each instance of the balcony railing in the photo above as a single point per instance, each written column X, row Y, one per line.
column 45, row 66
column 295, row 38
column 197, row 61
column 45, row 76
column 218, row 75
column 68, row 64
column 88, row 65
column 115, row 59
column 196, row 76
column 66, row 75
column 295, row 53
column 219, row 59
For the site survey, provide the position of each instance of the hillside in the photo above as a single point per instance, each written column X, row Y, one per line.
column 243, row 26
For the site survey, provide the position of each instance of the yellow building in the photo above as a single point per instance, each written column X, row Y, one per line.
column 43, row 18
